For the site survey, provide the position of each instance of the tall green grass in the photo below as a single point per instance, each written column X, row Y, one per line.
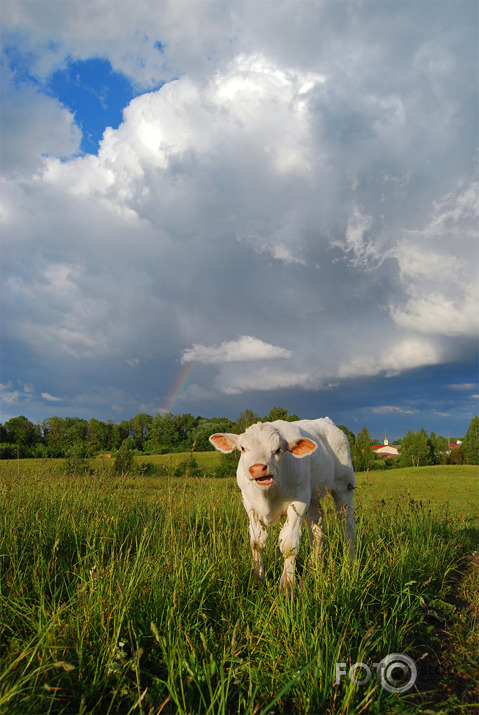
column 120, row 597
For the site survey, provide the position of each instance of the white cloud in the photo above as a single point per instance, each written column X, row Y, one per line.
column 274, row 185
column 10, row 397
column 263, row 380
column 393, row 410
column 190, row 147
column 244, row 349
column 464, row 386
column 404, row 354
column 68, row 322
column 50, row 398
column 437, row 313
column 361, row 251
column 33, row 125
column 438, row 269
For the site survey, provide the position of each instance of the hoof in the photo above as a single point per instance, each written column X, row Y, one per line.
column 259, row 575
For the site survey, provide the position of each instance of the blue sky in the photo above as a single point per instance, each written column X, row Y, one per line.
column 96, row 96
column 212, row 207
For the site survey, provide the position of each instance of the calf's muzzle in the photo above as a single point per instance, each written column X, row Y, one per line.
column 258, row 470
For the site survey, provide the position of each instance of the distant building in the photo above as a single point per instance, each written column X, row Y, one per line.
column 385, row 450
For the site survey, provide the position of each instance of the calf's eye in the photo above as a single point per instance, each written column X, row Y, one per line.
column 277, row 451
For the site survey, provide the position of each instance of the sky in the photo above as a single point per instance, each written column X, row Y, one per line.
column 209, row 207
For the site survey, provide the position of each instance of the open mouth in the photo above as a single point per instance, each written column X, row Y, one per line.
column 265, row 481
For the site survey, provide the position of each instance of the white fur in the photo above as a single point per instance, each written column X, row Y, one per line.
column 306, row 460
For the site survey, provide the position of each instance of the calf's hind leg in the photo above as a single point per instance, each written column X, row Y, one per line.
column 343, row 502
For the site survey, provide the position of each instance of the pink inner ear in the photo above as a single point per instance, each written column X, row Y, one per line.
column 222, row 443
column 303, row 447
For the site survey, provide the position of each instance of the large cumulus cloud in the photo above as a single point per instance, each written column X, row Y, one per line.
column 303, row 177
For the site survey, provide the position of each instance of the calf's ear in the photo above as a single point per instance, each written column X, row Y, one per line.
column 301, row 447
column 225, row 442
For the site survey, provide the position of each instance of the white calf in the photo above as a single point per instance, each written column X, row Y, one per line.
column 275, row 483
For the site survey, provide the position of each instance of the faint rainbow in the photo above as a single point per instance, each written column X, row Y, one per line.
column 185, row 375
column 179, row 386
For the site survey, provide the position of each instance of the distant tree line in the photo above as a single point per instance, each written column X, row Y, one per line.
column 162, row 434
column 416, row 449
column 169, row 433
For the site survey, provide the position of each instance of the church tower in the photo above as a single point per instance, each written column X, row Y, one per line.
column 386, row 441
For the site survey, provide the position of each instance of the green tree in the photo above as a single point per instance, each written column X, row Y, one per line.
column 350, row 435
column 363, row 457
column 415, row 450
column 228, row 464
column 124, row 461
column 117, row 433
column 456, row 456
column 54, row 433
column 205, row 428
column 189, row 468
column 438, row 448
column 279, row 413
column 352, row 444
column 76, row 462
column 23, row 433
column 163, row 436
column 141, row 425
column 245, row 420
column 97, row 436
column 470, row 444
column 76, row 431
column 185, row 426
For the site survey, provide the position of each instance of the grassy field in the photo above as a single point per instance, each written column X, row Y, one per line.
column 135, row 595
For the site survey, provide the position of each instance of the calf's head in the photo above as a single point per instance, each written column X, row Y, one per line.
column 262, row 449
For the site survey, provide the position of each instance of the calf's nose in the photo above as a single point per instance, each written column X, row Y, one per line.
column 258, row 470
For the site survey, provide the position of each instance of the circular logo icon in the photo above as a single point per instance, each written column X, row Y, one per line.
column 398, row 673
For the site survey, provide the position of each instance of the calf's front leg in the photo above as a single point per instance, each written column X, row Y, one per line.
column 289, row 541
column 258, row 535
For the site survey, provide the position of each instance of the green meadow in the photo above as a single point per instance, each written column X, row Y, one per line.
column 134, row 594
